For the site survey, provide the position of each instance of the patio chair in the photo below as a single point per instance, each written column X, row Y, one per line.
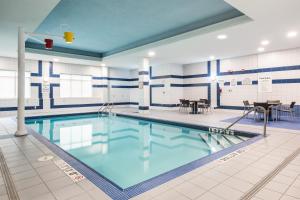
column 186, row 105
column 204, row 105
column 260, row 112
column 181, row 101
column 247, row 106
column 288, row 109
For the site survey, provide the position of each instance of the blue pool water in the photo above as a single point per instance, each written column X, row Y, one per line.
column 128, row 151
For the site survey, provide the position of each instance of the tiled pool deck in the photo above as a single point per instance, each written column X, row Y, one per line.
column 217, row 180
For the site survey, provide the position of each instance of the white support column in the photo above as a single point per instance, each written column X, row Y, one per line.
column 109, row 99
column 21, row 130
column 144, row 86
column 213, row 81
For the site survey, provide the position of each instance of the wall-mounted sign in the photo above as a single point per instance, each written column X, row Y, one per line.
column 221, row 82
column 264, row 84
column 141, row 85
column 233, row 82
column 247, row 81
column 46, row 87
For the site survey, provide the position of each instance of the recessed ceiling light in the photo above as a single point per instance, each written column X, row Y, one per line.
column 55, row 59
column 265, row 42
column 291, row 34
column 261, row 49
column 211, row 57
column 151, row 53
column 103, row 64
column 222, row 37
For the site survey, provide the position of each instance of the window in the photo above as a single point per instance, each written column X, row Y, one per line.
column 9, row 84
column 75, row 86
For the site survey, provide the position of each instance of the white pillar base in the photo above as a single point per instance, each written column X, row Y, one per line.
column 20, row 133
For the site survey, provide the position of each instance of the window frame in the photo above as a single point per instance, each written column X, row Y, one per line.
column 71, row 79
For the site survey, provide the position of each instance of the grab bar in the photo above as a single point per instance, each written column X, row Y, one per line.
column 251, row 110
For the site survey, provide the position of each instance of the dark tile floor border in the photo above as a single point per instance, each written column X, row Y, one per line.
column 117, row 193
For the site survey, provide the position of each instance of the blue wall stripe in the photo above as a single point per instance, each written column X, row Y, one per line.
column 51, row 74
column 164, row 105
column 124, row 86
column 52, row 85
column 189, row 85
column 143, row 107
column 286, row 81
column 183, row 76
column 274, row 81
column 157, row 85
column 143, row 72
column 40, row 70
column 258, row 70
column 100, row 86
column 114, row 78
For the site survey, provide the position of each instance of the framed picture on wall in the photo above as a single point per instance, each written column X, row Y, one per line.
column 233, row 82
column 247, row 81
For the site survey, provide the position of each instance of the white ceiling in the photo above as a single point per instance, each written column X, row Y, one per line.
column 26, row 13
column 270, row 19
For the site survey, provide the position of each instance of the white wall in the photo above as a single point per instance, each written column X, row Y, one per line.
column 166, row 96
column 189, row 81
column 285, row 92
column 70, row 105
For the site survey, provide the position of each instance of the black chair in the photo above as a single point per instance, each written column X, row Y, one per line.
column 275, row 107
column 186, row 104
column 288, row 109
column 259, row 111
column 204, row 105
column 181, row 104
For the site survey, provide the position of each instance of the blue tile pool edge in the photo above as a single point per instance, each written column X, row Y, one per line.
column 113, row 190
column 186, row 125
column 164, row 121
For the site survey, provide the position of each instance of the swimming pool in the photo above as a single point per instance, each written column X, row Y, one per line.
column 128, row 151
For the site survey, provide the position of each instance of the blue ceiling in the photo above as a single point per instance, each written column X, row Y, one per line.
column 105, row 27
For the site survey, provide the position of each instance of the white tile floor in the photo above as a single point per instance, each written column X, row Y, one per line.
column 216, row 180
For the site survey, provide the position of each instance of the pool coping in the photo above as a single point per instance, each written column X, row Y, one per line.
column 116, row 192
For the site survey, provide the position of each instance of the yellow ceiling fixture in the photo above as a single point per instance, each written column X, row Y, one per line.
column 69, row 37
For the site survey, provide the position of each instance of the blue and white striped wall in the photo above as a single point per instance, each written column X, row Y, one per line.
column 282, row 66
column 168, row 83
column 48, row 101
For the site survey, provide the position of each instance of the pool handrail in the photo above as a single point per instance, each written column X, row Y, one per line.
column 246, row 114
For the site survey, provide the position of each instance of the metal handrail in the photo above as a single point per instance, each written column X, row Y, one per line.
column 104, row 107
column 251, row 110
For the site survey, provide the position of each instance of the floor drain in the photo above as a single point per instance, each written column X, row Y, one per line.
column 45, row 158
column 251, row 193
